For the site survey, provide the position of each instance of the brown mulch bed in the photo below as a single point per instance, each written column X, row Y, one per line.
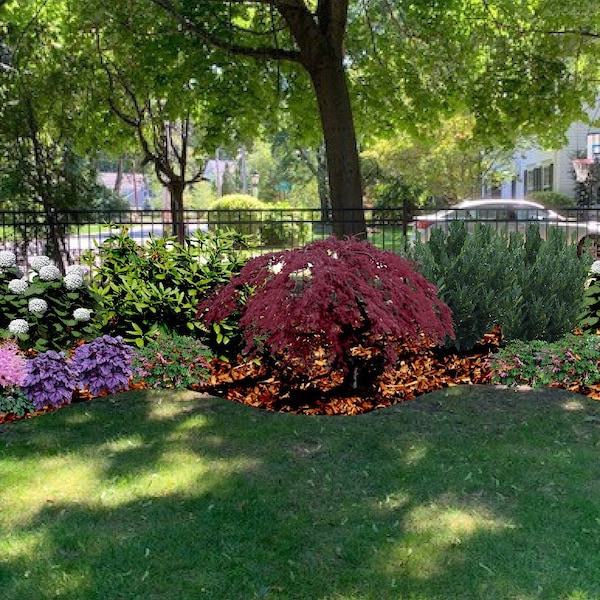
column 321, row 392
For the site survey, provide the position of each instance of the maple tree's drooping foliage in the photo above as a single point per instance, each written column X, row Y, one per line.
column 347, row 298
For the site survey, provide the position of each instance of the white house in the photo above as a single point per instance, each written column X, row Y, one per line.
column 552, row 170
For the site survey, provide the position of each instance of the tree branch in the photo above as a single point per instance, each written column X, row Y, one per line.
column 264, row 53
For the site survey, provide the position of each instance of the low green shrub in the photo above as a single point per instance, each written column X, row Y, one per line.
column 532, row 288
column 45, row 310
column 144, row 291
column 238, row 212
column 175, row 362
column 284, row 227
column 572, row 360
column 552, row 199
column 590, row 315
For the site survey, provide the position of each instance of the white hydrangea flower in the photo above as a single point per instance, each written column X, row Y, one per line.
column 17, row 286
column 18, row 326
column 73, row 281
column 38, row 262
column 76, row 270
column 595, row 268
column 7, row 258
column 37, row 306
column 49, row 273
column 82, row 314
column 277, row 267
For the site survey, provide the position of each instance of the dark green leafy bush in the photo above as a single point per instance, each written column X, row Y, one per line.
column 144, row 291
column 176, row 362
column 532, row 288
column 590, row 316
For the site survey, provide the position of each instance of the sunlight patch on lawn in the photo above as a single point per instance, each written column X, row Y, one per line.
column 56, row 480
column 436, row 532
column 573, row 405
column 414, row 455
column 163, row 407
column 176, row 472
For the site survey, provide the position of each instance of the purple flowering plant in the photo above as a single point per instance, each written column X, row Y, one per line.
column 103, row 365
column 13, row 370
column 50, row 381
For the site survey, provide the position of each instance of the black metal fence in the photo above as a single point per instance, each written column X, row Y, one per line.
column 66, row 235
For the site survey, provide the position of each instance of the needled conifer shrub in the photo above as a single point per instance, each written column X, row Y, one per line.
column 529, row 286
column 331, row 306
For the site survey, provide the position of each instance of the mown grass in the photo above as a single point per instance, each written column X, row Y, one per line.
column 471, row 492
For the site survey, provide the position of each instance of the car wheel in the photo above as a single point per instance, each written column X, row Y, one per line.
column 591, row 243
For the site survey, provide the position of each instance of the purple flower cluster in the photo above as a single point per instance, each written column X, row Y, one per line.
column 103, row 365
column 50, row 380
column 13, row 366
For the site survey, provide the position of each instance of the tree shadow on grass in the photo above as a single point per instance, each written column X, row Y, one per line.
column 466, row 493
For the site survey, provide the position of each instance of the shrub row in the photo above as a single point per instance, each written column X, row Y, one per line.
column 532, row 288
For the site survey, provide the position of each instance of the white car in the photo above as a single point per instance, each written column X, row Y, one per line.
column 510, row 215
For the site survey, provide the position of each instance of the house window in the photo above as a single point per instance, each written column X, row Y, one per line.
column 547, row 177
column 533, row 180
column 539, row 179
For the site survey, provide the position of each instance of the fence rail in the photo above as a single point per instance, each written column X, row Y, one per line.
column 65, row 235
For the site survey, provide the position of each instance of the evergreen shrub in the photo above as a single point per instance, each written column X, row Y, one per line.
column 238, row 212
column 284, row 227
column 343, row 304
column 532, row 288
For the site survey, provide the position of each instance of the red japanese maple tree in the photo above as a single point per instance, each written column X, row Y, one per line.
column 344, row 297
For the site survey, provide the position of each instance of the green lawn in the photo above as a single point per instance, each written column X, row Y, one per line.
column 471, row 492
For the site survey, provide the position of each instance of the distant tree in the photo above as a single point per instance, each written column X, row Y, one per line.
column 447, row 165
column 41, row 169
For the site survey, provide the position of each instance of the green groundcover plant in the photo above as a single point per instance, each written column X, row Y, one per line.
column 572, row 360
column 176, row 362
column 590, row 316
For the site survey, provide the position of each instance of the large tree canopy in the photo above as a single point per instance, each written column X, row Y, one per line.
column 518, row 68
column 353, row 70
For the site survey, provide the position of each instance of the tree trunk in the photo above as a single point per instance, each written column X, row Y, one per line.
column 322, row 184
column 177, row 217
column 345, row 184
